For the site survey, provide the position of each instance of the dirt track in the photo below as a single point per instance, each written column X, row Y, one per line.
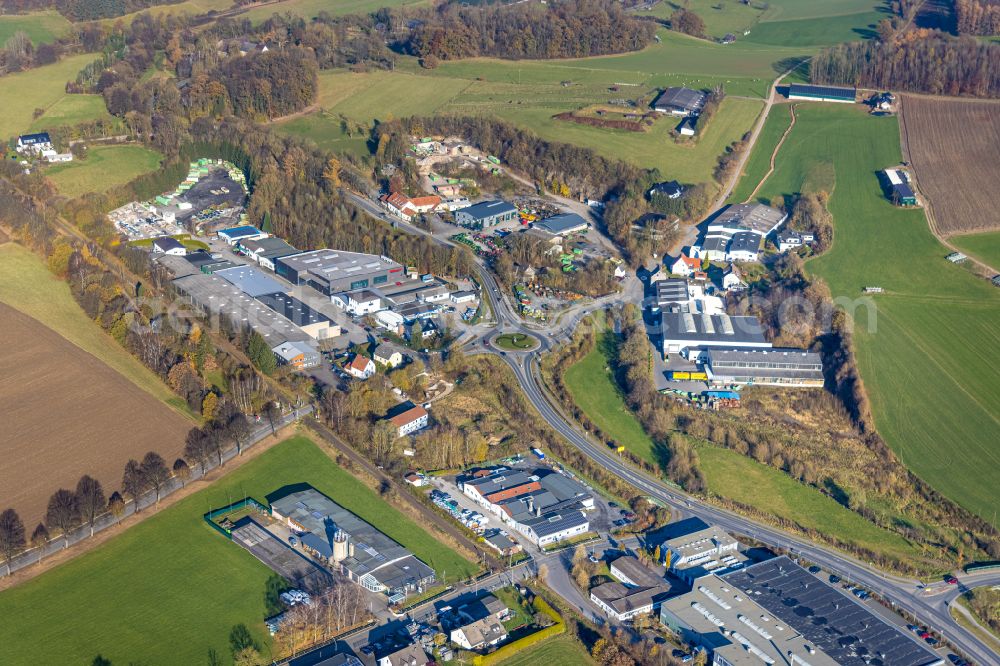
column 64, row 413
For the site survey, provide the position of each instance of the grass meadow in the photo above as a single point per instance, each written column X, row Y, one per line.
column 103, row 168
column 925, row 347
column 44, row 88
column 984, row 246
column 308, row 9
column 41, row 27
column 71, row 110
column 558, row 651
column 760, row 159
column 27, row 285
column 170, row 588
column 737, row 477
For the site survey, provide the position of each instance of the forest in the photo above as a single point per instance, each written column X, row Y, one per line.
column 977, row 17
column 83, row 10
column 561, row 29
column 922, row 61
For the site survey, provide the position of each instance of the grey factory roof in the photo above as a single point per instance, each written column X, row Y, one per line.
column 486, row 209
column 672, row 290
column 220, row 297
column 836, row 623
column 334, row 264
column 624, row 599
column 269, row 244
column 776, row 357
column 497, row 482
column 553, row 522
column 636, row 572
column 711, row 329
column 753, row 217
column 374, row 552
column 292, row 308
column 251, row 281
column 166, row 243
column 562, row 487
column 691, row 101
column 562, row 223
column 744, row 241
column 715, row 244
column 500, row 540
column 289, row 350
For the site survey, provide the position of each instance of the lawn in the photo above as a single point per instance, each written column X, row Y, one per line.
column 170, row 588
column 983, row 246
column 310, row 8
column 103, row 168
column 27, row 285
column 734, row 476
column 41, row 27
column 594, row 390
column 925, row 348
column 558, row 651
column 759, row 162
column 515, row 342
column 39, row 88
column 71, row 110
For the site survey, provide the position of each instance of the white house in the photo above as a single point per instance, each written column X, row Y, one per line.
column 624, row 603
column 361, row 367
column 168, row 245
column 732, row 279
column 458, row 297
column 358, row 303
column 685, row 266
column 479, row 634
column 34, row 143
column 410, row 420
column 792, row 240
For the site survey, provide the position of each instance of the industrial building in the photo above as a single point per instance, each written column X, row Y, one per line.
column 683, row 331
column 822, row 93
column 562, row 224
column 625, row 603
column 263, row 251
column 234, row 235
column 698, row 549
column 251, row 281
column 486, row 214
column 680, row 102
column 776, row 612
column 316, row 324
column 333, row 271
column 553, row 526
column 334, row 535
column 777, row 366
column 168, row 245
column 298, row 355
column 358, row 303
column 679, row 295
column 634, row 573
column 737, row 232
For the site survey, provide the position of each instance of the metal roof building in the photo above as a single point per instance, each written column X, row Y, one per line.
column 680, row 101
column 486, row 214
column 313, row 322
column 554, row 526
column 332, row 271
column 562, row 224
column 251, row 281
column 683, row 331
column 822, row 93
column 775, row 367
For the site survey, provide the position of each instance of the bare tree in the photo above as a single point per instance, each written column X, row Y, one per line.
column 90, row 497
column 196, row 448
column 273, row 414
column 40, row 539
column 11, row 536
column 63, row 513
column 182, row 471
column 239, row 430
column 134, row 481
column 155, row 472
column 383, row 435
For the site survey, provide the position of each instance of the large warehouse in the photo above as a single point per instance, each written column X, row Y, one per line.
column 822, row 93
column 333, row 271
column 684, row 331
column 776, row 612
column 772, row 367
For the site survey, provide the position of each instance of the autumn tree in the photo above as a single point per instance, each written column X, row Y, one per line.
column 196, row 448
column 155, row 472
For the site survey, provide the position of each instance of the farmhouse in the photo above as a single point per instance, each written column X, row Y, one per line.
column 562, row 224
column 233, row 235
column 822, row 93
column 408, row 418
column 486, row 214
column 357, row 303
column 313, row 322
column 299, row 355
column 670, row 189
column 264, row 251
column 168, row 245
column 361, row 367
column 684, row 331
column 680, row 102
column 406, row 207
column 333, row 271
column 778, row 366
column 334, row 535
column 777, row 612
column 34, row 143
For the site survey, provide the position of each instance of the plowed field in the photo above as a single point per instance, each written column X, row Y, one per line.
column 64, row 413
column 953, row 145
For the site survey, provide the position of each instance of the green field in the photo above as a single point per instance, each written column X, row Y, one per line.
column 926, row 350
column 103, row 168
column 811, row 32
column 759, row 162
column 27, row 285
column 169, row 588
column 310, row 8
column 734, row 476
column 41, row 27
column 42, row 88
column 559, row 651
column 595, row 391
column 983, row 246
column 192, row 7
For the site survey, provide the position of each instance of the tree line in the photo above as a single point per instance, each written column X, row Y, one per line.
column 977, row 17
column 84, row 10
column 559, row 29
column 924, row 61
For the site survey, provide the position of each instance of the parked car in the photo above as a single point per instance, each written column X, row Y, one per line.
column 951, row 580
column 924, row 634
column 912, row 627
column 814, row 569
column 834, row 579
column 932, row 641
column 293, row 541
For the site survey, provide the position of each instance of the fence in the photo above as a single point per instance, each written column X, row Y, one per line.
column 235, row 506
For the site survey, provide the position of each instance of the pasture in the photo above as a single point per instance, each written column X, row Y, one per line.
column 558, row 651
column 739, row 478
column 952, row 145
column 71, row 110
column 168, row 589
column 41, row 88
column 759, row 161
column 191, row 7
column 41, row 27
column 308, row 9
column 595, row 391
column 985, row 247
column 924, row 347
column 67, row 414
column 104, row 167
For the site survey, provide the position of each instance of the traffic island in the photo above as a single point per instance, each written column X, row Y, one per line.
column 518, row 342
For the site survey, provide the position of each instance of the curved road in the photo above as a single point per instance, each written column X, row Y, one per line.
column 929, row 604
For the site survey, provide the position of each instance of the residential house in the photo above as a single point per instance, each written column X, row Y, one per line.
column 407, row 207
column 411, row 655
column 670, row 189
column 787, row 240
column 388, row 356
column 685, row 266
column 479, row 634
column 732, row 279
column 361, row 367
column 409, row 420
column 168, row 245
column 34, row 143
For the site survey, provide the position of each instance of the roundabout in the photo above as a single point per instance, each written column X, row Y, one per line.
column 516, row 342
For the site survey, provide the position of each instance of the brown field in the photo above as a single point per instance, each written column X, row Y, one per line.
column 953, row 146
column 65, row 413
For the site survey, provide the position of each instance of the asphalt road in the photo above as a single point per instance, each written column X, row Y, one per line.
column 906, row 594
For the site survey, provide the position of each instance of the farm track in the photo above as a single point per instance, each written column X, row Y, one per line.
column 774, row 154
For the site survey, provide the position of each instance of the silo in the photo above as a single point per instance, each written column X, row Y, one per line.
column 341, row 542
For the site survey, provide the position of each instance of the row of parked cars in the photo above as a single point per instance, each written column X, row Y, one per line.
column 474, row 520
